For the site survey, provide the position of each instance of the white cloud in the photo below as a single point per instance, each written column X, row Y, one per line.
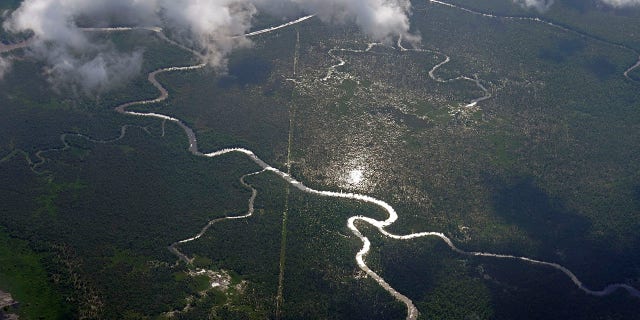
column 540, row 5
column 210, row 24
column 621, row 3
column 544, row 5
column 207, row 25
column 380, row 19
column 93, row 74
column 5, row 66
column 71, row 58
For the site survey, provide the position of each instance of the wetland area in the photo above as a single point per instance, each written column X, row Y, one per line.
column 487, row 170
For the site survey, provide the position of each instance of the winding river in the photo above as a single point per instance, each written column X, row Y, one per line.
column 551, row 24
column 254, row 193
column 352, row 222
column 432, row 73
column 65, row 146
column 412, row 311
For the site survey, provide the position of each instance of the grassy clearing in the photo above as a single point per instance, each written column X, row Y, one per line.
column 23, row 274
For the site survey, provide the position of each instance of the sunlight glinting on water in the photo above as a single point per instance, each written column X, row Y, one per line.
column 355, row 176
column 354, row 173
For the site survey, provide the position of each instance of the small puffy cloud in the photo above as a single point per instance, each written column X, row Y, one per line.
column 380, row 19
column 621, row 3
column 5, row 66
column 544, row 5
column 210, row 25
column 98, row 73
column 540, row 5
column 72, row 59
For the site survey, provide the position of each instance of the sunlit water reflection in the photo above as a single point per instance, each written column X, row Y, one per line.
column 355, row 177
